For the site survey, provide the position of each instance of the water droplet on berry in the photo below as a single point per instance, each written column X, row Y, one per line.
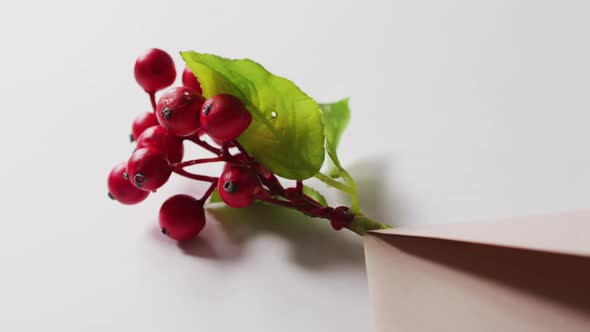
column 125, row 176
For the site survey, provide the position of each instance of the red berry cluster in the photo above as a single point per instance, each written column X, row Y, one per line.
column 183, row 114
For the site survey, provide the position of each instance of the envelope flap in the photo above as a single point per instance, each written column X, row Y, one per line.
column 567, row 233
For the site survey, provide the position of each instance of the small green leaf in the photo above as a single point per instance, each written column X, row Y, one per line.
column 315, row 195
column 336, row 117
column 286, row 134
column 215, row 198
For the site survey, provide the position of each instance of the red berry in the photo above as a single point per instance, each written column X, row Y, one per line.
column 202, row 134
column 178, row 111
column 121, row 189
column 154, row 70
column 159, row 138
column 190, row 80
column 264, row 173
column 182, row 217
column 142, row 122
column 341, row 218
column 224, row 117
column 148, row 169
column 238, row 186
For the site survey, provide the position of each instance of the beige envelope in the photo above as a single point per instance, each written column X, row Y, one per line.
column 522, row 274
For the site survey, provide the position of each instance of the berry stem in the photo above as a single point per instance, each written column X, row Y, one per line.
column 333, row 183
column 349, row 187
column 274, row 184
column 299, row 187
column 321, row 212
column 299, row 204
column 225, row 149
column 312, row 201
column 209, row 190
column 197, row 177
column 271, row 182
column 361, row 224
column 195, row 139
column 275, row 192
column 195, row 162
column 353, row 196
column 270, row 199
column 153, row 100
column 303, row 203
column 243, row 151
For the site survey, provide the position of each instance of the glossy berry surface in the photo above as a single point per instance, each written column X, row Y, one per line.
column 224, row 117
column 154, row 70
column 142, row 122
column 121, row 190
column 178, row 111
column 159, row 138
column 238, row 186
column 148, row 169
column 182, row 217
column 190, row 80
column 203, row 134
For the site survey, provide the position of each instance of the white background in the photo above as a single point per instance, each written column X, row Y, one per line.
column 462, row 110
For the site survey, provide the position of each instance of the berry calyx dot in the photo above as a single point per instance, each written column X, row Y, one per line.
column 139, row 179
column 229, row 187
column 166, row 112
column 120, row 189
column 207, row 109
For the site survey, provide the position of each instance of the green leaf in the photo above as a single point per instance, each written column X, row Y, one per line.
column 286, row 134
column 315, row 195
column 336, row 117
column 215, row 198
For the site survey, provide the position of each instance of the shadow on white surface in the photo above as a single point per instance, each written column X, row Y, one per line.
column 202, row 247
column 376, row 194
column 313, row 244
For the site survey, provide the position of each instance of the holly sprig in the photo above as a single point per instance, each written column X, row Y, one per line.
column 273, row 127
